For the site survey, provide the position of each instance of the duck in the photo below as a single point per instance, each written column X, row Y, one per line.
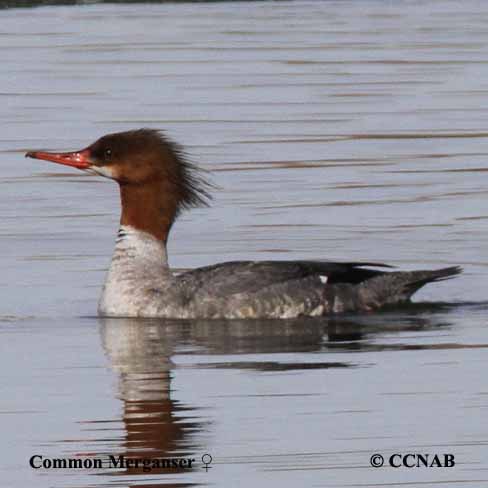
column 157, row 182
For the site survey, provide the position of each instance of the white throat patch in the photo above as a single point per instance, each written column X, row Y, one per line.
column 106, row 171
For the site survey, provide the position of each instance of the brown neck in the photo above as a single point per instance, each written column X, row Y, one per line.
column 148, row 207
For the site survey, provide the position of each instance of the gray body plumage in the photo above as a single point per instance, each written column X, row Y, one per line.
column 140, row 284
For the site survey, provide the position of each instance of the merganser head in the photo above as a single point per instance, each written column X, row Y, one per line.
column 156, row 180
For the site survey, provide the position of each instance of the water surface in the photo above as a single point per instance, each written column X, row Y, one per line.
column 352, row 130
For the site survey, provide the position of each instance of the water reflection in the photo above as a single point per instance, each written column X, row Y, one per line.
column 145, row 354
column 155, row 425
column 140, row 350
column 140, row 353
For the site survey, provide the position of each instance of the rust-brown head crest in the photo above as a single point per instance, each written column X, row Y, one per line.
column 156, row 179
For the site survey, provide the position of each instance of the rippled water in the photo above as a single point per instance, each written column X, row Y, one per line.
column 352, row 130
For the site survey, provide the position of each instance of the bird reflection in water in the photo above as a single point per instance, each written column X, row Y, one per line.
column 140, row 353
column 156, row 426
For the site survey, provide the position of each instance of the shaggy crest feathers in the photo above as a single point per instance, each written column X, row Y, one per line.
column 189, row 186
column 193, row 188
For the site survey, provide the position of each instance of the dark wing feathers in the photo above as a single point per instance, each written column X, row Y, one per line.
column 250, row 276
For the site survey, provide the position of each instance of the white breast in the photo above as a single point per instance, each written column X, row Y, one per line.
column 139, row 263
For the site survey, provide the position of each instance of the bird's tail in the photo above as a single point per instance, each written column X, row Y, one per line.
column 398, row 286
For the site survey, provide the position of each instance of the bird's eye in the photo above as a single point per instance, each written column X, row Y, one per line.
column 108, row 154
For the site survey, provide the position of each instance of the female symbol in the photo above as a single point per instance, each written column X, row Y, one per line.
column 206, row 459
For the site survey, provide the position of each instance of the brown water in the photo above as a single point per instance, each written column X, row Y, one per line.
column 342, row 130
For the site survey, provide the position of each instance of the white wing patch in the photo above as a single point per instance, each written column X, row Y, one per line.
column 323, row 279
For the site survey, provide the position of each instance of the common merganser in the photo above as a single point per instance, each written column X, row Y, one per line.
column 156, row 183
